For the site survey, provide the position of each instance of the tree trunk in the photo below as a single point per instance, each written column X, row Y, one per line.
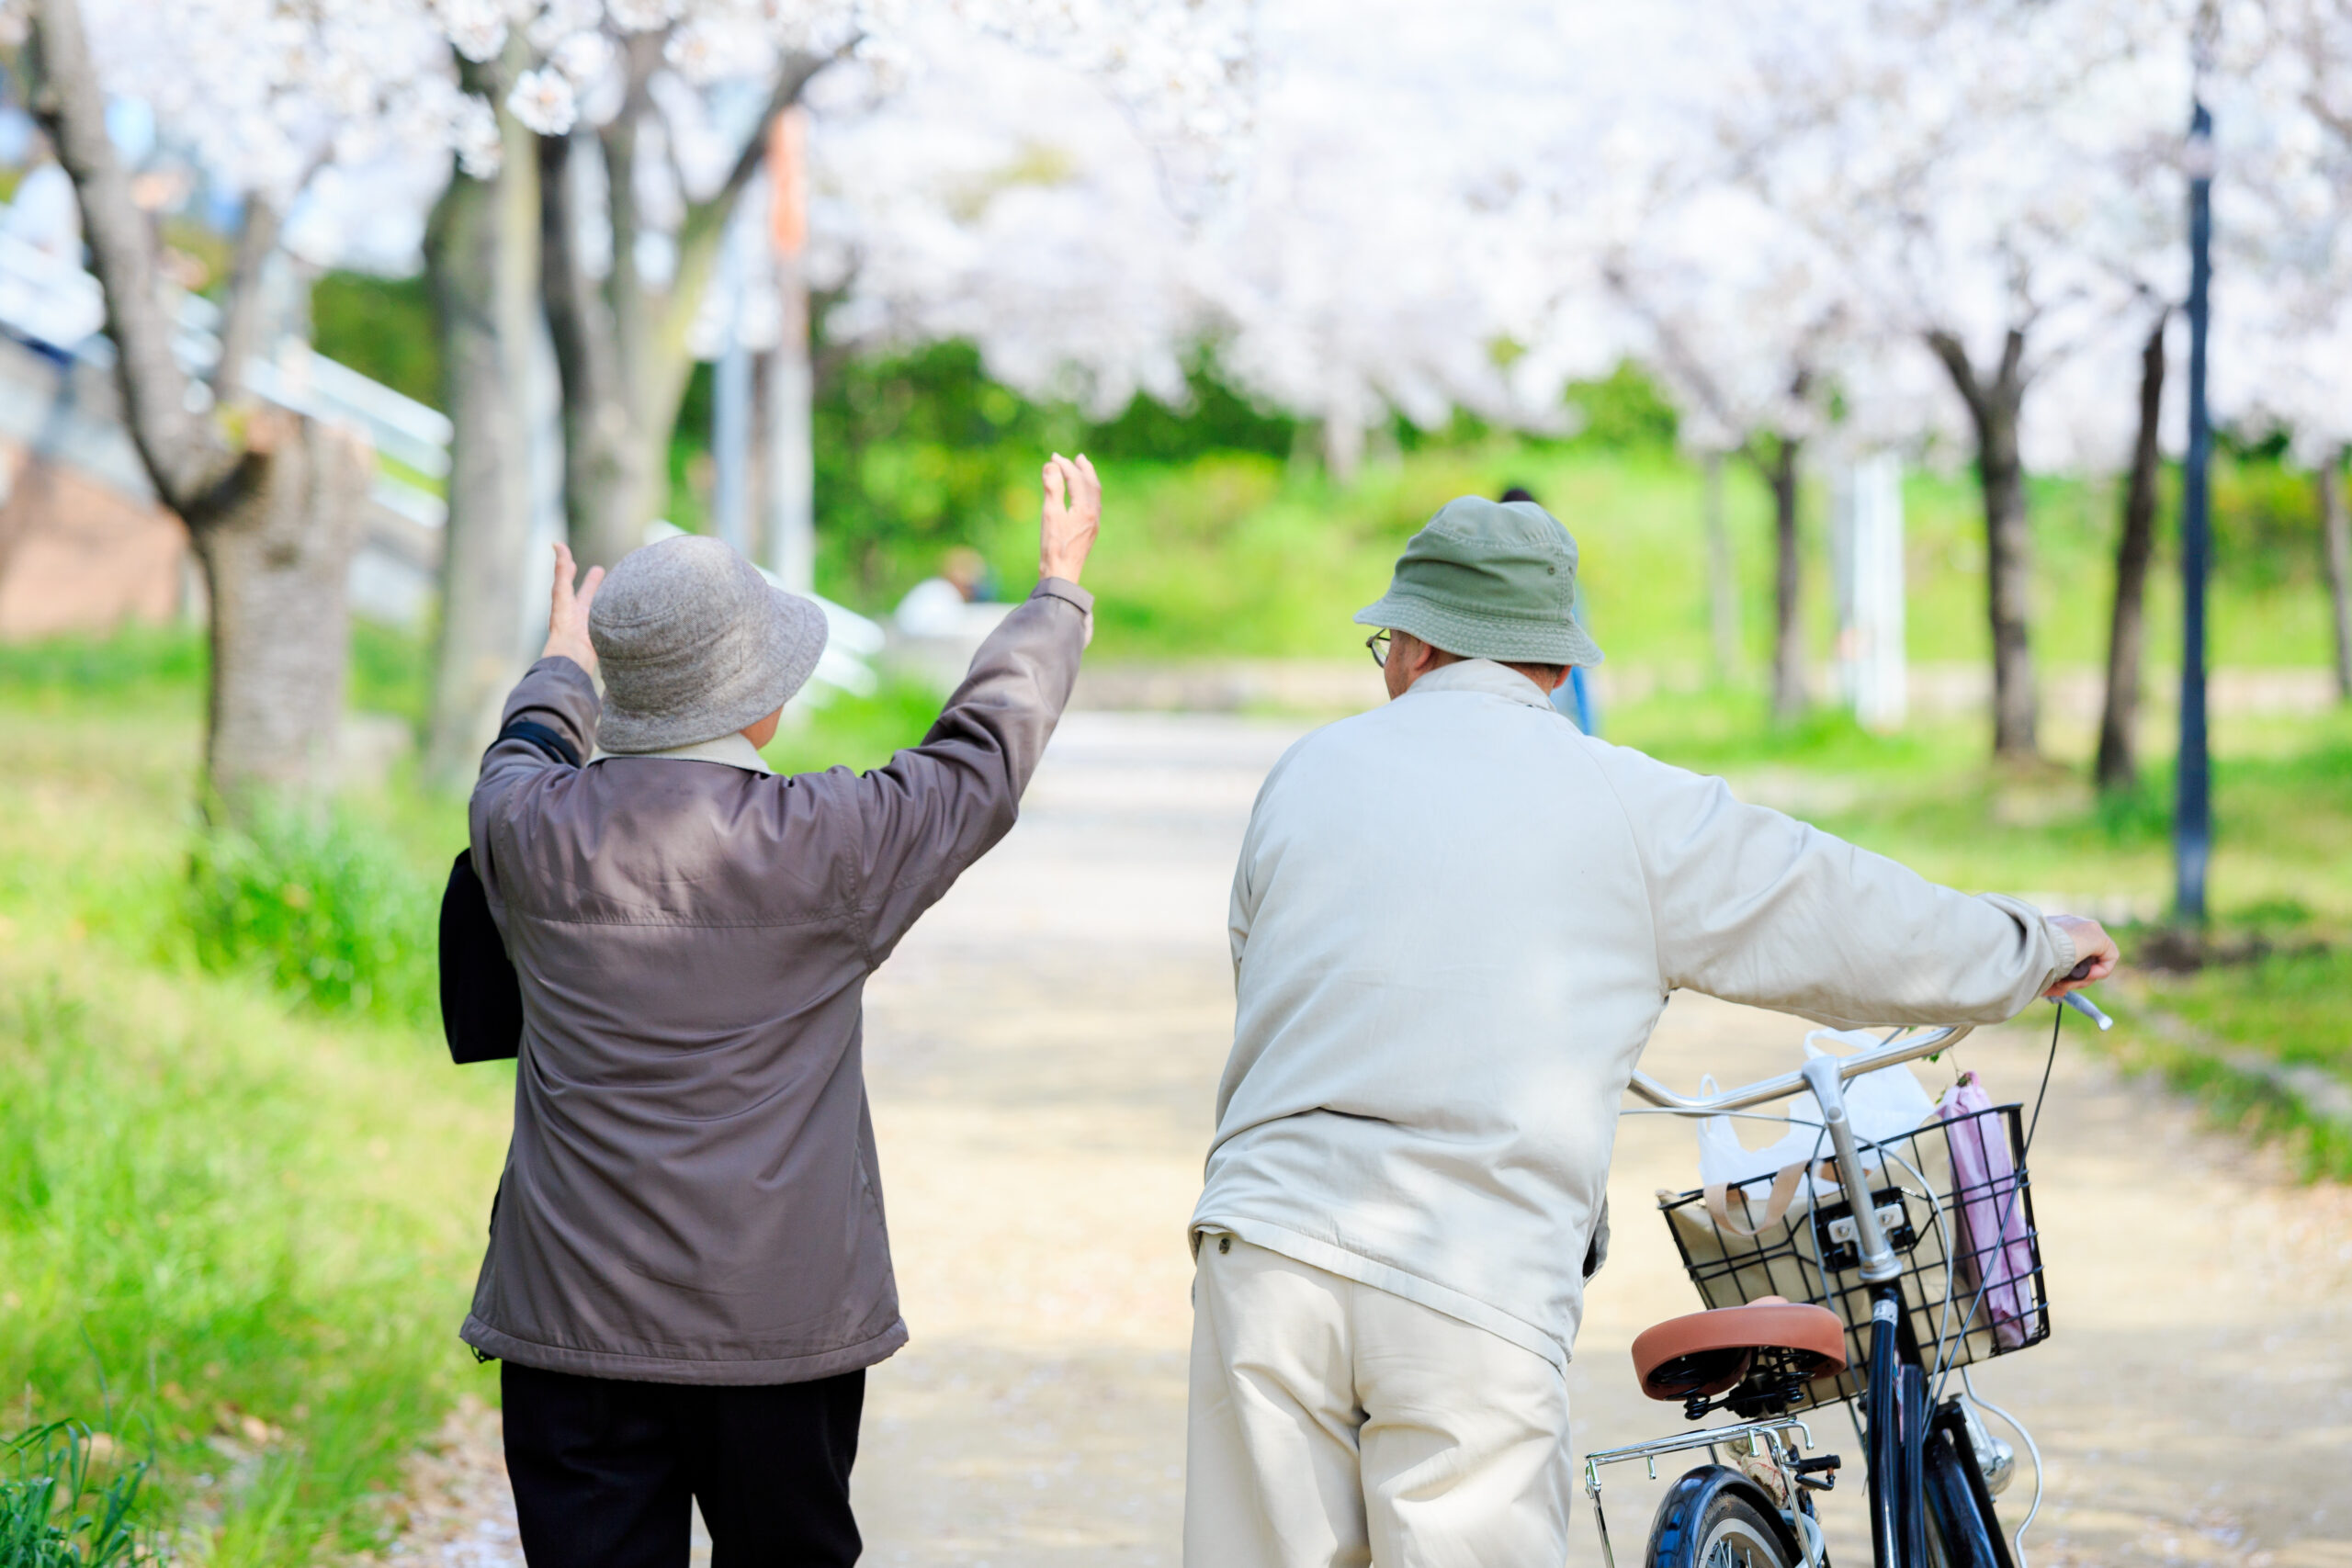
column 2118, row 766
column 1788, row 633
column 271, row 500
column 621, row 343
column 1722, row 589
column 274, row 563
column 482, row 263
column 603, row 487
column 1993, row 407
column 2336, row 531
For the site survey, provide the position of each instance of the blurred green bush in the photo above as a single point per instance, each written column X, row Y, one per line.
column 325, row 907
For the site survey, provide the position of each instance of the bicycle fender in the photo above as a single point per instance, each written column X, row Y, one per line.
column 1674, row 1529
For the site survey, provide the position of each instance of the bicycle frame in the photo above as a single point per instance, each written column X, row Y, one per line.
column 1901, row 1432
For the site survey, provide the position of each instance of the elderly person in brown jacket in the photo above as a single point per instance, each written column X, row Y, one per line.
column 688, row 1269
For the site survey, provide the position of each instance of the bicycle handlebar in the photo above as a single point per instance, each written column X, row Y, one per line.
column 1883, row 1055
column 2088, row 1009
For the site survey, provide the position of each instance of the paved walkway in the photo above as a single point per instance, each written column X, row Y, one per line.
column 1044, row 1054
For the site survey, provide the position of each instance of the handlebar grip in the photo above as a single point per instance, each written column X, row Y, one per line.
column 2088, row 1009
column 2081, row 971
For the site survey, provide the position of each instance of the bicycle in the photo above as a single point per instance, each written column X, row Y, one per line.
column 1875, row 1250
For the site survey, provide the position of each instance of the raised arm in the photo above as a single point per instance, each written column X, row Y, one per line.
column 940, row 805
column 556, row 698
column 1758, row 908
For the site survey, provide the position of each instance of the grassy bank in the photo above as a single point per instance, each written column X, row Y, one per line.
column 1243, row 555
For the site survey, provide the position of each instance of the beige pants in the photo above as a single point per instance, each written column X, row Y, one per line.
column 1334, row 1425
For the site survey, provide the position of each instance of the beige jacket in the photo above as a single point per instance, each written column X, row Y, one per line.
column 692, row 1194
column 1456, row 921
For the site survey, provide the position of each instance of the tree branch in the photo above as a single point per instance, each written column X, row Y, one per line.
column 185, row 453
column 2012, row 359
column 711, row 214
column 241, row 332
column 1954, row 355
column 578, row 318
column 700, row 236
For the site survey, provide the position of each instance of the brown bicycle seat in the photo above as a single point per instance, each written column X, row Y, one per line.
column 1707, row 1353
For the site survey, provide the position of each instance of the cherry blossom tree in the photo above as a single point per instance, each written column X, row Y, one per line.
column 1006, row 196
column 2283, row 204
column 267, row 96
column 1957, row 158
column 643, row 124
column 1744, row 319
column 482, row 270
column 1398, row 246
column 651, row 117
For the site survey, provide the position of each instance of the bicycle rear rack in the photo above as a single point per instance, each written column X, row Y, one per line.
column 1763, row 1440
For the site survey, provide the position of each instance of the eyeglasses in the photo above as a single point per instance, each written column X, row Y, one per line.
column 1377, row 644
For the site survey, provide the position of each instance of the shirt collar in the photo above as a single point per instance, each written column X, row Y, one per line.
column 1485, row 676
column 736, row 751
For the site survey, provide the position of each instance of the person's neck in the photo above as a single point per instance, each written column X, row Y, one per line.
column 1536, row 675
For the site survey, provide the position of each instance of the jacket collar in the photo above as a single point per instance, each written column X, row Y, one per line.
column 1484, row 676
column 733, row 749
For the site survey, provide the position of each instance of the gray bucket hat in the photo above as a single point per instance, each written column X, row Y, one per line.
column 1489, row 580
column 694, row 644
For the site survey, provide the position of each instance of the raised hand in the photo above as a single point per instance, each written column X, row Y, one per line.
column 1070, row 517
column 568, row 613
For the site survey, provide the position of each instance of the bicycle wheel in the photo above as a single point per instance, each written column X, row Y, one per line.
column 1716, row 1518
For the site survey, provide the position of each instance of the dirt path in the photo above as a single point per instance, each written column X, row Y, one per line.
column 1044, row 1052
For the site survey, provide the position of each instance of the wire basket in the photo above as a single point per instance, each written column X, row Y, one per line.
column 1953, row 1316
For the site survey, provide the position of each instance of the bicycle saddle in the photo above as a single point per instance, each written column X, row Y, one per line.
column 1707, row 1353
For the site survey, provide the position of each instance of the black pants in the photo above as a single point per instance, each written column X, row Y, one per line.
column 603, row 1469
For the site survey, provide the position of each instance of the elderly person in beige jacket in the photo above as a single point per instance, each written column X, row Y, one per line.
column 688, row 1271
column 1454, row 923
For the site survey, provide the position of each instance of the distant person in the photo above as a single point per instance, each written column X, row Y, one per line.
column 935, row 606
column 1575, row 699
column 688, row 1272
column 46, row 214
column 1454, row 923
column 57, row 308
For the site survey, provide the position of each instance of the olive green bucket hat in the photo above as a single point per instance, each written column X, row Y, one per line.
column 1489, row 580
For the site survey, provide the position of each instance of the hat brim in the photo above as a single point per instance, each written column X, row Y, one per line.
column 790, row 640
column 1508, row 639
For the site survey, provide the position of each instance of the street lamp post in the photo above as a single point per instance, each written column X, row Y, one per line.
column 2193, row 803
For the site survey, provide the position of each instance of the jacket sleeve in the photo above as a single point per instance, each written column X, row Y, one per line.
column 1755, row 907
column 938, row 807
column 555, row 692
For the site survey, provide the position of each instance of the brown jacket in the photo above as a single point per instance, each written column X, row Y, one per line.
column 692, row 1194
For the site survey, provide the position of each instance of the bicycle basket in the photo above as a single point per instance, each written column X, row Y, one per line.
column 1992, row 1303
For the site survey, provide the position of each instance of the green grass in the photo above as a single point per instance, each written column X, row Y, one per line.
column 325, row 909
column 236, row 1223
column 2249, row 1033
column 1243, row 554
column 58, row 1509
column 241, row 1239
